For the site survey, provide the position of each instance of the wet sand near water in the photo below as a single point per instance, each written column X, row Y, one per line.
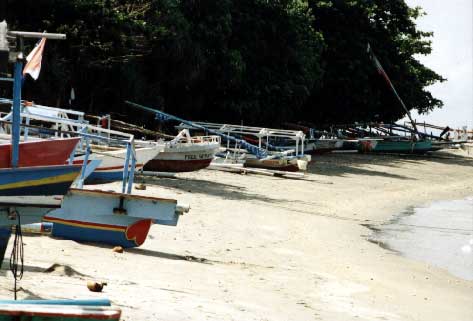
column 440, row 233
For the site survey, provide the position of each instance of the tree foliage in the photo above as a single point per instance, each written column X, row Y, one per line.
column 351, row 88
column 253, row 61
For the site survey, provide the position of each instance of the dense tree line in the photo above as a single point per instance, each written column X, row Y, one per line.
column 253, row 61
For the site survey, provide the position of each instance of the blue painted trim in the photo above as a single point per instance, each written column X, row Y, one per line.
column 14, row 175
column 40, row 175
column 16, row 119
column 40, row 190
column 125, row 168
column 132, row 173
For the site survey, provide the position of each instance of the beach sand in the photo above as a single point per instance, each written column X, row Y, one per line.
column 265, row 248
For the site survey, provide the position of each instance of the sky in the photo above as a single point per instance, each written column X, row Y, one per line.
column 451, row 57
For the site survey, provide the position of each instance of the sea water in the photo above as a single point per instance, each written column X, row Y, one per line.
column 440, row 234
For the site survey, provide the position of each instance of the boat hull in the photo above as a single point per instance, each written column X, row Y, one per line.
column 5, row 233
column 39, row 153
column 323, row 146
column 183, row 158
column 273, row 164
column 404, row 147
column 38, row 180
column 113, row 230
column 111, row 167
column 177, row 165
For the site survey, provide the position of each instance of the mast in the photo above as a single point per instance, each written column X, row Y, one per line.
column 383, row 73
column 17, row 78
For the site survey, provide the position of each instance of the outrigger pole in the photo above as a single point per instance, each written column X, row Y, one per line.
column 383, row 73
column 253, row 149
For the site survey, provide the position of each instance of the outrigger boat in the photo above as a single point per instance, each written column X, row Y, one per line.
column 417, row 143
column 112, row 158
column 111, row 167
column 68, row 204
column 185, row 153
column 117, row 220
column 39, row 153
column 12, row 210
column 379, row 145
column 271, row 157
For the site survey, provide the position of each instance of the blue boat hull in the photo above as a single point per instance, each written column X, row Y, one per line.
column 104, row 177
column 41, row 180
column 5, row 233
column 113, row 230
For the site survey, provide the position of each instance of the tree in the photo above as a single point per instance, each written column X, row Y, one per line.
column 254, row 61
column 351, row 89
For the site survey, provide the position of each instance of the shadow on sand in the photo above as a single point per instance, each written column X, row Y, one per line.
column 342, row 164
column 169, row 256
column 208, row 187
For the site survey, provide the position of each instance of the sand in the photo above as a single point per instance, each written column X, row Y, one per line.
column 265, row 248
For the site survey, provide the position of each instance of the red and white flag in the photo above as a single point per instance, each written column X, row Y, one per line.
column 33, row 65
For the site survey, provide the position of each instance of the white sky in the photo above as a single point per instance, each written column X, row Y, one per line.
column 452, row 57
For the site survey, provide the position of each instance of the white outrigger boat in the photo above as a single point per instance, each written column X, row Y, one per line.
column 279, row 157
column 262, row 156
column 185, row 153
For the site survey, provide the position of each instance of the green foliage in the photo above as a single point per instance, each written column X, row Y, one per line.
column 351, row 88
column 256, row 61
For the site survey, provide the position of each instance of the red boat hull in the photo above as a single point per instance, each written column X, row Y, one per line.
column 176, row 166
column 39, row 153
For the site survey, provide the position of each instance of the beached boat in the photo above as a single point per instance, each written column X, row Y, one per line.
column 98, row 138
column 113, row 218
column 185, row 154
column 114, row 230
column 16, row 182
column 39, row 153
column 375, row 145
column 325, row 145
column 226, row 131
column 280, row 164
column 112, row 163
column 319, row 146
column 58, row 310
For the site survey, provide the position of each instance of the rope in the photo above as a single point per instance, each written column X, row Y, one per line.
column 17, row 255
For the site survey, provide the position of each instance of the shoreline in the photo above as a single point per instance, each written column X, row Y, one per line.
column 439, row 233
column 264, row 248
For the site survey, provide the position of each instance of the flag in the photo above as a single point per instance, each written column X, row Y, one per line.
column 381, row 71
column 33, row 65
column 378, row 66
column 72, row 97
